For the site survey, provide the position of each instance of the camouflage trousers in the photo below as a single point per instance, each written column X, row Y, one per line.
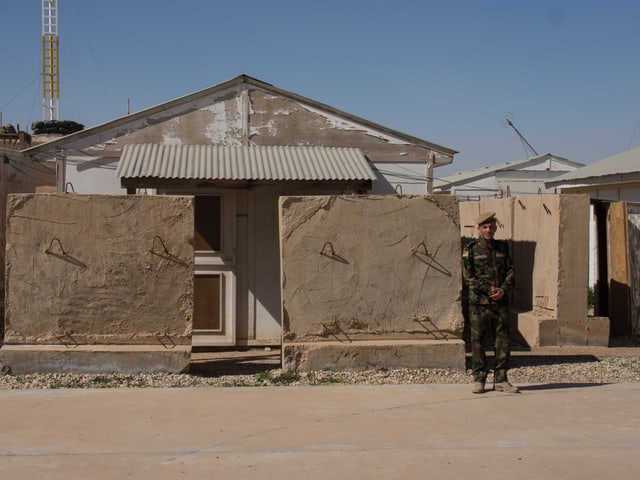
column 489, row 321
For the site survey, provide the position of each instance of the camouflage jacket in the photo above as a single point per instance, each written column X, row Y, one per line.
column 486, row 264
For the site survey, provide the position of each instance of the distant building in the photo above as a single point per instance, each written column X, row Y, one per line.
column 13, row 139
column 521, row 177
column 614, row 178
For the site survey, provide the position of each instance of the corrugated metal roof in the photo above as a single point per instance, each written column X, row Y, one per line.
column 623, row 164
column 237, row 162
column 528, row 175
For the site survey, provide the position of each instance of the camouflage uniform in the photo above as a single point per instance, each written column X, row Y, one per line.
column 487, row 263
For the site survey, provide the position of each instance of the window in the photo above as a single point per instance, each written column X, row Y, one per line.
column 207, row 217
column 207, row 302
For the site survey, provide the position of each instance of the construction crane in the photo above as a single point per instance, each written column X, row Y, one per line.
column 526, row 144
column 50, row 72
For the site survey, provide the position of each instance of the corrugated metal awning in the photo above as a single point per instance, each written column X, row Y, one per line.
column 243, row 163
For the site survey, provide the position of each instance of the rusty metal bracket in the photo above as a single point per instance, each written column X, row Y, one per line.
column 68, row 334
column 63, row 255
column 165, row 252
column 67, row 185
column 424, row 321
column 331, row 253
column 153, row 246
column 333, row 329
column 165, row 340
column 328, row 251
column 49, row 251
column 414, row 250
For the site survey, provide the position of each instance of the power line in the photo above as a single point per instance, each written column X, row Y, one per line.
column 635, row 130
column 20, row 92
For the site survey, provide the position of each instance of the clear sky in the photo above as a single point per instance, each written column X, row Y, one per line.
column 567, row 73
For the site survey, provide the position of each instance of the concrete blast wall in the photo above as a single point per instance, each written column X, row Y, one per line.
column 370, row 281
column 85, row 271
column 549, row 238
column 19, row 174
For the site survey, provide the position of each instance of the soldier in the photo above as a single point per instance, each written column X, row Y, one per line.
column 488, row 272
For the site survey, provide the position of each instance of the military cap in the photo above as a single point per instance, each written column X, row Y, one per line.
column 485, row 217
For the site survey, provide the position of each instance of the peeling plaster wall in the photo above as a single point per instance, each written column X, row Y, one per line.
column 216, row 123
column 549, row 238
column 282, row 121
column 242, row 117
column 370, row 267
column 211, row 119
column 119, row 269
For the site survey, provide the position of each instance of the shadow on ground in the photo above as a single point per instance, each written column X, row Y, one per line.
column 249, row 362
column 558, row 386
column 541, row 360
column 526, row 360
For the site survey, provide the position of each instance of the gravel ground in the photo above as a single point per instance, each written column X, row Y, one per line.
column 526, row 369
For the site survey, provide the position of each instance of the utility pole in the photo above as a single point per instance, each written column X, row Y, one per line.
column 50, row 73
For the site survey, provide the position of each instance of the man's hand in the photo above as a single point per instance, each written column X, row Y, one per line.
column 496, row 293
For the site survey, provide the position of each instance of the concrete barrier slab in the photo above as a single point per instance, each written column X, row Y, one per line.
column 537, row 329
column 598, row 331
column 363, row 355
column 100, row 359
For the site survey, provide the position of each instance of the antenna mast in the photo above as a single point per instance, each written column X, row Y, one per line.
column 522, row 139
column 50, row 76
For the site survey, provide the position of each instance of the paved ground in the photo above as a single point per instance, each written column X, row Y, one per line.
column 322, row 432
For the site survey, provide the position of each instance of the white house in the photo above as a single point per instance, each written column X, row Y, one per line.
column 614, row 178
column 521, row 177
column 237, row 147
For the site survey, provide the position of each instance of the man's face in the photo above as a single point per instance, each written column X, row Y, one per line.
column 487, row 230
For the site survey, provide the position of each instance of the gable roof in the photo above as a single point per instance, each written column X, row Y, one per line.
column 242, row 163
column 235, row 82
column 620, row 168
column 478, row 173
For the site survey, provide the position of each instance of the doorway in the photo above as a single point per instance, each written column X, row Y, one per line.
column 214, row 273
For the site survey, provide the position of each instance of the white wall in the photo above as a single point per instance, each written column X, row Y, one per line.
column 91, row 175
column 484, row 187
column 405, row 178
column 629, row 192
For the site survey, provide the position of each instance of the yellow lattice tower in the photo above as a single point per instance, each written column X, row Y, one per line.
column 50, row 73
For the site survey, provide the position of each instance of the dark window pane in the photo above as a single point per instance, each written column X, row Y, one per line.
column 207, row 220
